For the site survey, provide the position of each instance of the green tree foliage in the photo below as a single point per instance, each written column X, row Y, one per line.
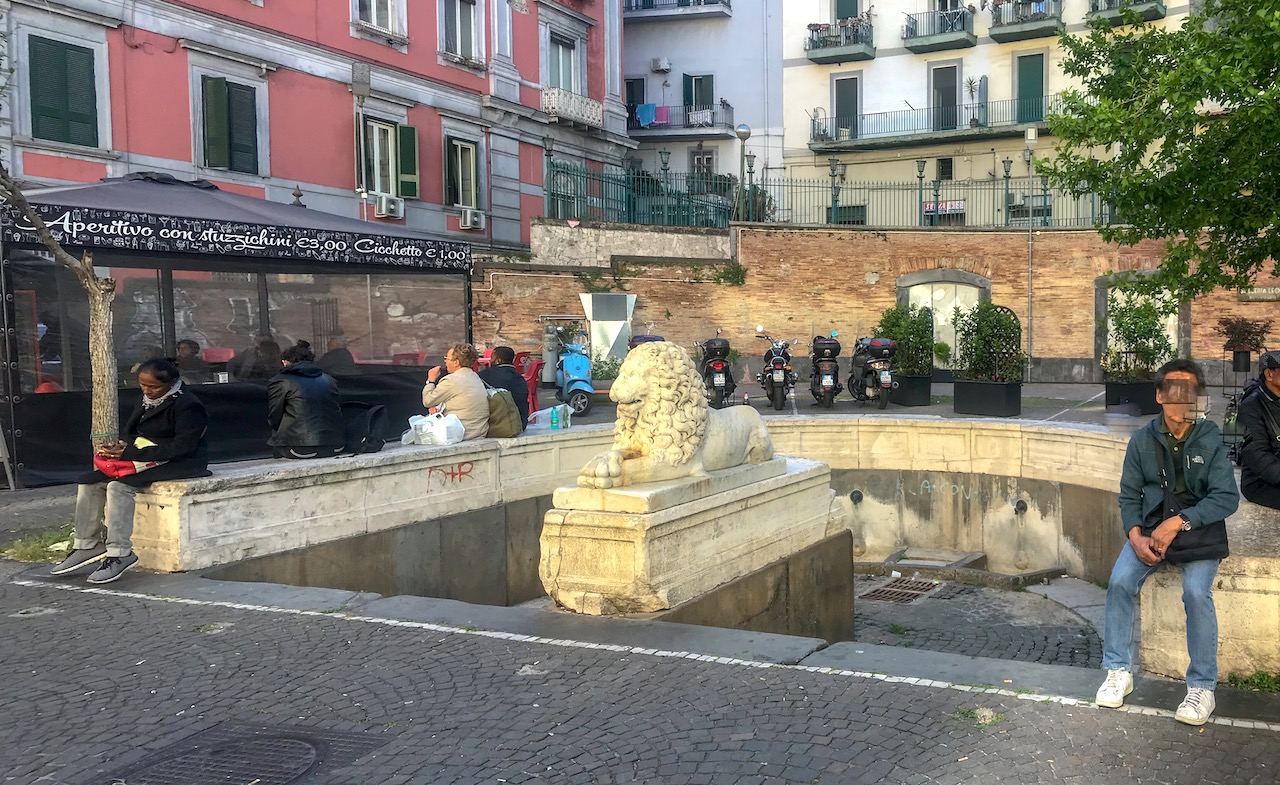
column 1179, row 130
column 988, row 344
column 911, row 328
column 1137, row 343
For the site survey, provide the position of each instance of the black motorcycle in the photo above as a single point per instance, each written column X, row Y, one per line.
column 871, row 378
column 717, row 375
column 776, row 377
column 824, row 380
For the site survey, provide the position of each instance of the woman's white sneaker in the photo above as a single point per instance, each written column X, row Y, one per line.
column 1111, row 693
column 1196, row 707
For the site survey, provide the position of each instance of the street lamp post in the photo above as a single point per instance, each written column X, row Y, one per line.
column 665, row 155
column 920, row 163
column 751, row 186
column 1008, row 167
column 936, row 185
column 1030, row 140
column 834, row 164
column 548, row 144
column 743, row 132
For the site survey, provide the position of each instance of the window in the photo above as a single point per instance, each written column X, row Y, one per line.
column 845, row 116
column 635, row 91
column 846, row 8
column 702, row 168
column 64, row 95
column 461, row 186
column 390, row 159
column 945, row 168
column 699, row 90
column 459, row 21
column 230, row 125
column 502, row 34
column 378, row 13
column 849, row 215
column 561, row 70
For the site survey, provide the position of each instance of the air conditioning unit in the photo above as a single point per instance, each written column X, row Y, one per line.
column 660, row 65
column 388, row 207
column 472, row 219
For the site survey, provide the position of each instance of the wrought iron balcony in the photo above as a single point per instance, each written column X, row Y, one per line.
column 908, row 126
column 934, row 31
column 674, row 9
column 1019, row 20
column 686, row 122
column 843, row 42
column 1112, row 10
column 563, row 106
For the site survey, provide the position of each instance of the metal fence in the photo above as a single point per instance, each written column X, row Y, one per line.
column 905, row 122
column 703, row 199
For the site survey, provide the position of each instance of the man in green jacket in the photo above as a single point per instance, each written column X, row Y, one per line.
column 1199, row 474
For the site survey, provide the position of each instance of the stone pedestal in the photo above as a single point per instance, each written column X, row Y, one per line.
column 649, row 547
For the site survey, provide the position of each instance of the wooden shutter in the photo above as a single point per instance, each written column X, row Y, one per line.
column 242, row 127
column 217, row 138
column 706, row 91
column 64, row 94
column 407, row 153
column 452, row 176
column 688, row 90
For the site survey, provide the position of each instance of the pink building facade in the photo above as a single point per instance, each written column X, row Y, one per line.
column 438, row 114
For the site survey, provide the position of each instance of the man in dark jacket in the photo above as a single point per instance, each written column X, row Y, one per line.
column 168, row 429
column 502, row 373
column 1259, row 420
column 1193, row 462
column 338, row 360
column 304, row 408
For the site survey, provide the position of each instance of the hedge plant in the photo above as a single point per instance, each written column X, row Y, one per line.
column 1137, row 343
column 912, row 329
column 988, row 344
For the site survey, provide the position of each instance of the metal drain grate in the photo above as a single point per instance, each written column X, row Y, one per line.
column 237, row 754
column 900, row 590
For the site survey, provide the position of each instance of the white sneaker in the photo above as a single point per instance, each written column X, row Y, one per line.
column 1196, row 707
column 1111, row 693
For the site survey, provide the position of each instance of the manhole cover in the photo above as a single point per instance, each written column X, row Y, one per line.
column 899, row 590
column 233, row 754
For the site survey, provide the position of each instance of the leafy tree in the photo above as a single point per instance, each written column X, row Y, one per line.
column 1179, row 130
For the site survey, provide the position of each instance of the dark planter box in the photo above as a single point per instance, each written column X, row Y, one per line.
column 1241, row 360
column 1141, row 395
column 989, row 399
column 912, row 390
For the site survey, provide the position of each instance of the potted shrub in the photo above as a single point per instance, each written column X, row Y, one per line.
column 912, row 329
column 988, row 361
column 1242, row 337
column 971, row 87
column 1137, row 345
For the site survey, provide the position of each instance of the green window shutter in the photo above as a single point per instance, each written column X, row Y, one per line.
column 451, row 174
column 706, row 91
column 64, row 95
column 242, row 127
column 217, row 136
column 688, row 90
column 846, row 8
column 407, row 152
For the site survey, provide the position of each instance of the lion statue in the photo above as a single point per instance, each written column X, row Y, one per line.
column 665, row 430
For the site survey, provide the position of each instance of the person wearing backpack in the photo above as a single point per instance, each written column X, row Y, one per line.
column 1257, row 419
column 502, row 374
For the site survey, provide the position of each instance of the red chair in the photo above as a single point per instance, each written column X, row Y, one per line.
column 531, row 374
column 217, row 354
column 484, row 361
column 407, row 358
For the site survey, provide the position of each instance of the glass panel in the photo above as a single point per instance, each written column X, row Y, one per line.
column 52, row 320
column 219, row 313
column 381, row 158
column 466, row 27
column 138, row 329
column 467, row 175
column 943, row 298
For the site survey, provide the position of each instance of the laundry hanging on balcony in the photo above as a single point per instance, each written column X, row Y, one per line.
column 663, row 116
column 646, row 114
column 700, row 118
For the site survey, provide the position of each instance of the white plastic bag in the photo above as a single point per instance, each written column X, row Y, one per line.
column 434, row 429
column 541, row 419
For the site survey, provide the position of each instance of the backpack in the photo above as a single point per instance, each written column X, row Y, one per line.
column 504, row 417
column 366, row 425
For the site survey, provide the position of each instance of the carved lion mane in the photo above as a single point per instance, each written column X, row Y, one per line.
column 662, row 404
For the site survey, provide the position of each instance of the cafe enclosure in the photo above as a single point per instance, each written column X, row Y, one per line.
column 196, row 263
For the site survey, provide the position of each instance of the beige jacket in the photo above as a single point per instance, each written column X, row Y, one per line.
column 463, row 394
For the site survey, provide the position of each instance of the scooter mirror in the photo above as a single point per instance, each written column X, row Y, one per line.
column 759, row 328
column 835, row 333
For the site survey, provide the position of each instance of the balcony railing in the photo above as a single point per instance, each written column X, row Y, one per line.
column 660, row 9
column 1019, row 20
column 1112, row 10
column 713, row 120
column 934, row 31
column 563, row 105
column 840, row 43
column 910, row 122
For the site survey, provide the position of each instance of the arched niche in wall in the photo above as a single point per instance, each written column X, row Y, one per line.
column 942, row 291
column 1178, row 326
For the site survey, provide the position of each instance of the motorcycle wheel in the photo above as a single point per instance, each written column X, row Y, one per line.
column 828, row 398
column 778, row 395
column 882, row 398
column 580, row 402
column 717, row 398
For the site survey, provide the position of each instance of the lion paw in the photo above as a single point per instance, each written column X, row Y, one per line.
column 602, row 471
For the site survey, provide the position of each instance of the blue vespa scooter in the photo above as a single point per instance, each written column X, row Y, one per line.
column 573, row 378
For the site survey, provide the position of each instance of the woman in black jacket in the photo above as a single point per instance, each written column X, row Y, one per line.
column 168, row 429
column 305, row 409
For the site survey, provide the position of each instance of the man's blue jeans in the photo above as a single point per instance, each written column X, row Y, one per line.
column 1127, row 577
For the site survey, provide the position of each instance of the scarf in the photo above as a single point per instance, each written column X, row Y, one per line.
column 151, row 403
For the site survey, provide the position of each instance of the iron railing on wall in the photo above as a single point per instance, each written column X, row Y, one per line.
column 906, row 122
column 940, row 22
column 704, row 199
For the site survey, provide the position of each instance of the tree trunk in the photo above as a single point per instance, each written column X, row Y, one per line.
column 105, row 408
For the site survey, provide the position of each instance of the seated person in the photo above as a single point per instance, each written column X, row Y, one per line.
column 193, row 369
column 304, row 408
column 1258, row 419
column 265, row 363
column 242, row 366
column 149, row 353
column 502, row 373
column 458, row 390
column 338, row 361
column 168, row 428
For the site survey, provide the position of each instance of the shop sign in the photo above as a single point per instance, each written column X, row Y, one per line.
column 1259, row 294
column 944, row 208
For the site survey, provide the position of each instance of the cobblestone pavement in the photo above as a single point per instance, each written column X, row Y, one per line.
column 978, row 622
column 97, row 680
